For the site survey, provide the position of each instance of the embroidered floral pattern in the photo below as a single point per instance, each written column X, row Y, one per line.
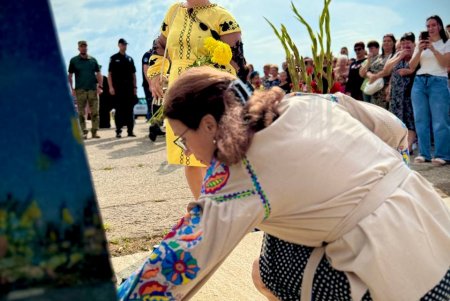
column 404, row 152
column 164, row 26
column 152, row 287
column 333, row 98
column 259, row 191
column 233, row 196
column 179, row 267
column 229, row 25
column 169, row 265
column 203, row 6
column 238, row 57
column 166, row 297
column 216, row 177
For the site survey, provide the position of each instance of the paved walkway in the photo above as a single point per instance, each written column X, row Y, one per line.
column 140, row 195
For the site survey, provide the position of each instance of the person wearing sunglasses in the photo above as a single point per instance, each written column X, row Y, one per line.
column 354, row 82
column 183, row 32
column 306, row 169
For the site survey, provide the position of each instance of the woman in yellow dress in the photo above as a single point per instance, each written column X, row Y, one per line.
column 184, row 29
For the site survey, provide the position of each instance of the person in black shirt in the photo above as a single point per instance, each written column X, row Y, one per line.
column 145, row 85
column 154, row 130
column 122, row 85
column 354, row 82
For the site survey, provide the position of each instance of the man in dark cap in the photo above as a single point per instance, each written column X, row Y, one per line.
column 88, row 85
column 122, row 85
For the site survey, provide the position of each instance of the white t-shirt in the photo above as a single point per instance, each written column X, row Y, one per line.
column 429, row 63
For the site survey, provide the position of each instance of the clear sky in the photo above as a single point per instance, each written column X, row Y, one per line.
column 102, row 23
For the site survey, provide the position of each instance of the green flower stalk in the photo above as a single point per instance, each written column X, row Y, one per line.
column 321, row 57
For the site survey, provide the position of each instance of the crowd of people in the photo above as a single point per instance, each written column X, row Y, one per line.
column 422, row 109
column 391, row 64
column 329, row 234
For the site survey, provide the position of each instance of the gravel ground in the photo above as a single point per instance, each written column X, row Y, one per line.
column 141, row 197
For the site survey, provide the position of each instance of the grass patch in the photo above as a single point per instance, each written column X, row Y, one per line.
column 106, row 227
column 114, row 241
column 130, row 245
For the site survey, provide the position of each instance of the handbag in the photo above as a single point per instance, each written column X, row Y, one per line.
column 374, row 87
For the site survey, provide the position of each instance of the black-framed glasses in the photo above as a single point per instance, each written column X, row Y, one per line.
column 180, row 141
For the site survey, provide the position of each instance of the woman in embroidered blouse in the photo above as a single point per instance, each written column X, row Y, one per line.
column 325, row 182
column 183, row 32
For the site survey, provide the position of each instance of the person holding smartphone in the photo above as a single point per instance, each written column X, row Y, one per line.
column 430, row 95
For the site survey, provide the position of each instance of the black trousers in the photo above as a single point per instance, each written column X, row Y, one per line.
column 105, row 107
column 124, row 112
column 149, row 100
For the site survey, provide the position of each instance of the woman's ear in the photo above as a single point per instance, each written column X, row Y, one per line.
column 209, row 124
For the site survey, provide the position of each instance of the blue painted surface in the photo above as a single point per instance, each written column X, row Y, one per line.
column 43, row 163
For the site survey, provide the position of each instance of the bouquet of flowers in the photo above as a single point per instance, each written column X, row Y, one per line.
column 218, row 55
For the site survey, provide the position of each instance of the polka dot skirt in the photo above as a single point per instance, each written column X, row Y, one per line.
column 282, row 265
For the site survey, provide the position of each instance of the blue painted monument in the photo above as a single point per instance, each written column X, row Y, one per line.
column 52, row 243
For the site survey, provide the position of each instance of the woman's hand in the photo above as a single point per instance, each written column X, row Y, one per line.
column 156, row 87
column 424, row 44
column 372, row 77
column 404, row 71
column 400, row 54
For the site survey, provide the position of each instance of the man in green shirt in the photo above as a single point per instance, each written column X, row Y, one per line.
column 88, row 85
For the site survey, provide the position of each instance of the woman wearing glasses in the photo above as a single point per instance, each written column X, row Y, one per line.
column 184, row 29
column 303, row 170
column 430, row 94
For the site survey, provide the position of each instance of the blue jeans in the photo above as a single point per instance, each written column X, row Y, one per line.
column 431, row 104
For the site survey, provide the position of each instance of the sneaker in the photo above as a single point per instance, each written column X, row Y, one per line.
column 159, row 131
column 438, row 162
column 152, row 136
column 131, row 135
column 419, row 159
column 85, row 137
column 118, row 135
column 94, row 135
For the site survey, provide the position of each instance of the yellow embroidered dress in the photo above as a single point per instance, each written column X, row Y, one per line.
column 185, row 30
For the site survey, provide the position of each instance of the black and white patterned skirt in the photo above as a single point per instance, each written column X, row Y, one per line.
column 282, row 265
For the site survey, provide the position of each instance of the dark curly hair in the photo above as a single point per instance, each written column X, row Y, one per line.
column 204, row 90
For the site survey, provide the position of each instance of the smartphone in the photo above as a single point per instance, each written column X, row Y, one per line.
column 424, row 35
